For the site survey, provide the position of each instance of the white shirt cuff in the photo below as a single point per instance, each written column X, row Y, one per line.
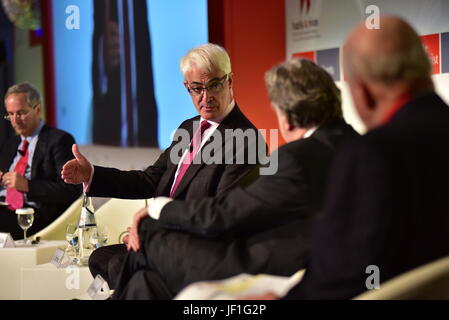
column 155, row 206
column 86, row 186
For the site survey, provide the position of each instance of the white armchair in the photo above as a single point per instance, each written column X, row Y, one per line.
column 117, row 216
column 57, row 229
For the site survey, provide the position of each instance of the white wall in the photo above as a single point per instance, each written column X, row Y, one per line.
column 28, row 65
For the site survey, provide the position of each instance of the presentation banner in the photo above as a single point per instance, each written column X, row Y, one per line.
column 317, row 29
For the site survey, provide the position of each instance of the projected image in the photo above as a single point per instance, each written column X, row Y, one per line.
column 123, row 91
column 117, row 76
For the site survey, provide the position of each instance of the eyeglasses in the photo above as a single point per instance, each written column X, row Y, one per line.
column 20, row 114
column 213, row 88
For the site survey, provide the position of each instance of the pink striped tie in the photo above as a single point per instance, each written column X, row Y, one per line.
column 196, row 144
column 14, row 197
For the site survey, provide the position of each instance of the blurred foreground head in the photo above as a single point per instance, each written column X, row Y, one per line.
column 382, row 65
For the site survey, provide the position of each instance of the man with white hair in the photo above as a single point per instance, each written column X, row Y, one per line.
column 262, row 228
column 208, row 79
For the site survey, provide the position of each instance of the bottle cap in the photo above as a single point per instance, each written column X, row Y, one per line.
column 25, row 211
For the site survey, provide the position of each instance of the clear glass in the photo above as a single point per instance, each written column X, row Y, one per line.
column 25, row 221
column 71, row 236
column 99, row 238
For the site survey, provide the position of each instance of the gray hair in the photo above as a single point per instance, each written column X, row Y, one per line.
column 33, row 95
column 305, row 92
column 207, row 57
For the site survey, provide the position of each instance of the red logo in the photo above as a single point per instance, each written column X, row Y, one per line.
column 310, row 55
column 431, row 43
column 304, row 4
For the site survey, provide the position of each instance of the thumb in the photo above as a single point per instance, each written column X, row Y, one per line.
column 78, row 156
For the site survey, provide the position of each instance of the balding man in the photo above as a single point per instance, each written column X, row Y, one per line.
column 386, row 205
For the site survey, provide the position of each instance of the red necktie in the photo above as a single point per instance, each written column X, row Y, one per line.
column 196, row 144
column 14, row 197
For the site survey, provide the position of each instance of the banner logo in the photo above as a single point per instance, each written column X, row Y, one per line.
column 304, row 4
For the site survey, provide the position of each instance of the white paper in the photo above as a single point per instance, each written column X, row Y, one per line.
column 6, row 241
column 60, row 259
column 240, row 286
column 99, row 289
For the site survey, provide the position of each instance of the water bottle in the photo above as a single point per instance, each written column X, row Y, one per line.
column 87, row 227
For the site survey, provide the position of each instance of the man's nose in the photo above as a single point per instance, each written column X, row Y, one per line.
column 205, row 97
column 16, row 118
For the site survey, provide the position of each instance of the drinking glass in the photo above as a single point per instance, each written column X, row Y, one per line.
column 71, row 236
column 25, row 219
column 99, row 237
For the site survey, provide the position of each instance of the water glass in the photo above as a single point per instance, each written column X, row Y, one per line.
column 25, row 219
column 99, row 237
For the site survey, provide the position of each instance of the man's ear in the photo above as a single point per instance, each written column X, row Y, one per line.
column 290, row 126
column 230, row 78
column 39, row 109
column 367, row 96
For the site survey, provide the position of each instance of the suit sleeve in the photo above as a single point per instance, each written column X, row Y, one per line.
column 351, row 233
column 254, row 208
column 134, row 184
column 53, row 189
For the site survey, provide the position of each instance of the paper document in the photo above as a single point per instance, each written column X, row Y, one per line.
column 241, row 285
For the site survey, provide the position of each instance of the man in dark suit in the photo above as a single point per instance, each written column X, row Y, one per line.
column 208, row 79
column 386, row 209
column 40, row 151
column 262, row 228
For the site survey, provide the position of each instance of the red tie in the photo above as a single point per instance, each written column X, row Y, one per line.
column 196, row 144
column 14, row 197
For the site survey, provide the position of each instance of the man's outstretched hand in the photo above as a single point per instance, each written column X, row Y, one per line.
column 77, row 170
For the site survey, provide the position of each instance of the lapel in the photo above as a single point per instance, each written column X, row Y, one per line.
column 167, row 179
column 10, row 151
column 228, row 123
column 40, row 151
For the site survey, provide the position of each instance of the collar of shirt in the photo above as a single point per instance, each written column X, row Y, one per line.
column 215, row 123
column 206, row 134
column 310, row 132
column 225, row 114
column 399, row 103
column 34, row 136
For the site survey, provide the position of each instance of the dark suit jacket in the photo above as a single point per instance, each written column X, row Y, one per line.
column 46, row 188
column 260, row 229
column 200, row 180
column 387, row 204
